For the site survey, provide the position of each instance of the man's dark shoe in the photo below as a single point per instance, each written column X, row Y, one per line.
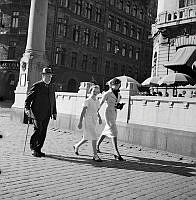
column 36, row 154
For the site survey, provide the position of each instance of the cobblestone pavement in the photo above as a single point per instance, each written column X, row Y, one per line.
column 146, row 173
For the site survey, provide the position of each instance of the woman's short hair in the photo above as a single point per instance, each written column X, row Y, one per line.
column 93, row 86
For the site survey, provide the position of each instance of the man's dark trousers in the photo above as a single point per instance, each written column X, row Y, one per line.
column 39, row 135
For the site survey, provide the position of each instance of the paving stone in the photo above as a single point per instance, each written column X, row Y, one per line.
column 146, row 174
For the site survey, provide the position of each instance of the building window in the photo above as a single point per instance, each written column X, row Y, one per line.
column 62, row 27
column 63, row 3
column 192, row 13
column 141, row 14
column 12, row 50
column 88, row 11
column 63, row 52
column 138, row 36
column 118, row 21
column 175, row 15
column 189, row 2
column 116, row 47
column 107, row 67
column 181, row 3
column 94, row 64
column 120, row 4
column 115, row 68
column 74, row 60
column 110, row 21
column 57, row 55
column 78, row 7
column 169, row 17
column 109, row 44
column 123, row 70
column 130, row 70
column 134, row 11
column 128, row 7
column 112, row 2
column 125, row 28
column 96, row 40
column 15, row 17
column 181, row 14
column 60, row 56
column 131, row 52
column 98, row 15
column 154, row 64
column 124, row 50
column 84, row 62
column 86, row 36
column 76, row 33
column 1, row 19
column 132, row 31
column 137, row 54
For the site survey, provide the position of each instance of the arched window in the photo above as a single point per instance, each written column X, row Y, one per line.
column 169, row 17
column 72, row 85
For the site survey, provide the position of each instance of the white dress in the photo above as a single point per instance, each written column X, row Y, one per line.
column 110, row 129
column 90, row 119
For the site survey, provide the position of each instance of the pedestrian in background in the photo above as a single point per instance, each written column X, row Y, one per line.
column 90, row 115
column 112, row 98
column 40, row 104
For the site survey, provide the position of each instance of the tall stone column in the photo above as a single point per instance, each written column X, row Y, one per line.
column 33, row 59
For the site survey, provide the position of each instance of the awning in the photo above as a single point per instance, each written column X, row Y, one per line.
column 184, row 57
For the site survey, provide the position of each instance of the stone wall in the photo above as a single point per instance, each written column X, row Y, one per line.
column 166, row 123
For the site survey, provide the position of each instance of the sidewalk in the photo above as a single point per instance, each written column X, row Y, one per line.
column 146, row 174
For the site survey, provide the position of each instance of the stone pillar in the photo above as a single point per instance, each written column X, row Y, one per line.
column 33, row 59
column 84, row 88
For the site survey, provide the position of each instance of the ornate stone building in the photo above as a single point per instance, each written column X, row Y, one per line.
column 87, row 40
column 13, row 33
column 174, row 36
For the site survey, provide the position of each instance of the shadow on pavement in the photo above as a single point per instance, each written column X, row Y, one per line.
column 143, row 164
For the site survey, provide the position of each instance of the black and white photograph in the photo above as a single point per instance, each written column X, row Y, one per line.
column 98, row 99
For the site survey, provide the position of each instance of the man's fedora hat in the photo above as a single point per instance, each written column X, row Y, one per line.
column 47, row 70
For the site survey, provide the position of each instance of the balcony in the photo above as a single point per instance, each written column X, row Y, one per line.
column 13, row 31
column 9, row 65
column 172, row 18
column 15, row 2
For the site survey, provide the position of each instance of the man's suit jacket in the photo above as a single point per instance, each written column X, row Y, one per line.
column 41, row 100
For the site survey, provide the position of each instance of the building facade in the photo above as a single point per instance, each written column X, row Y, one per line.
column 86, row 40
column 13, row 34
column 174, row 38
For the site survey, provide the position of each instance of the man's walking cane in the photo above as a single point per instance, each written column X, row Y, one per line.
column 28, row 121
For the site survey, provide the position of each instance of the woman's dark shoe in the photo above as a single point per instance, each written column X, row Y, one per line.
column 97, row 158
column 42, row 154
column 119, row 158
column 75, row 151
column 98, row 151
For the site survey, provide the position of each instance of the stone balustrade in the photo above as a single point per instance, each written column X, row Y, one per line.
column 186, row 13
column 166, row 123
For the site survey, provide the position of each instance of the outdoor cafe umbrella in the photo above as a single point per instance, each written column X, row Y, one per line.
column 176, row 79
column 126, row 79
column 151, row 81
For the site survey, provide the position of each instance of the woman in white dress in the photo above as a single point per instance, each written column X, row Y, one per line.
column 112, row 98
column 90, row 115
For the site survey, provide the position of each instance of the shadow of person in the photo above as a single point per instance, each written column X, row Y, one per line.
column 137, row 164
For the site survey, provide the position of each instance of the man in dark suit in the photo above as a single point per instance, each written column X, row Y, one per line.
column 40, row 105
